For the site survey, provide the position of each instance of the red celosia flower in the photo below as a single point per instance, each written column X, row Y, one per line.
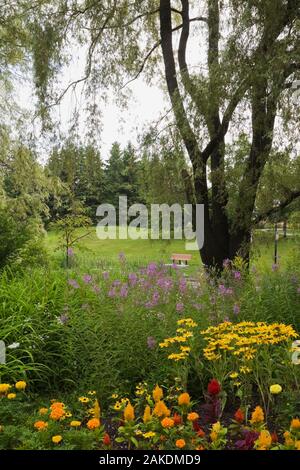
column 177, row 419
column 200, row 433
column 196, row 426
column 239, row 416
column 214, row 387
column 274, row 437
column 106, row 439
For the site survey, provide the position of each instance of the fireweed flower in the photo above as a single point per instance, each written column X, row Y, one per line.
column 236, row 309
column 73, row 283
column 87, row 278
column 151, row 342
column 179, row 307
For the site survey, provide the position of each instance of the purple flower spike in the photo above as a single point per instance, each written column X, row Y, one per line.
column 151, row 342
column 73, row 283
column 87, row 278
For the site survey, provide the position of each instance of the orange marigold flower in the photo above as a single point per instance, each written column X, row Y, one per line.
column 200, row 448
column 295, row 424
column 93, row 423
column 257, row 416
column 161, row 409
column 239, row 416
column 40, row 425
column 167, row 423
column 129, row 412
column 184, row 399
column 157, row 394
column 180, row 443
column 192, row 416
column 57, row 404
column 57, row 413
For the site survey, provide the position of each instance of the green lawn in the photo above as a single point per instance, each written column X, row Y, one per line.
column 93, row 252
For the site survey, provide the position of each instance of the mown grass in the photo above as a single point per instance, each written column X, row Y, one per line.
column 93, row 253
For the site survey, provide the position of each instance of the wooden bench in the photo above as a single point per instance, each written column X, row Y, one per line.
column 179, row 258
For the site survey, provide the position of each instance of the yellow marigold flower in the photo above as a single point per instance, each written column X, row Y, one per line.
column 184, row 399
column 43, row 411
column 57, row 439
column 180, row 443
column 167, row 423
column 264, row 440
column 213, row 436
column 11, row 396
column 233, row 375
column 295, row 424
column 147, row 414
column 157, row 394
column 275, row 389
column 161, row 409
column 93, row 423
column 75, row 424
column 149, row 434
column 257, row 416
column 297, row 445
column 4, row 388
column 83, row 399
column 21, row 385
column 40, row 425
column 192, row 416
column 129, row 412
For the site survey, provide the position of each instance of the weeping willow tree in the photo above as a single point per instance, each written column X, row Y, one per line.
column 229, row 68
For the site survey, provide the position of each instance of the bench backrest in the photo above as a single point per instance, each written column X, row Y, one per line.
column 181, row 257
